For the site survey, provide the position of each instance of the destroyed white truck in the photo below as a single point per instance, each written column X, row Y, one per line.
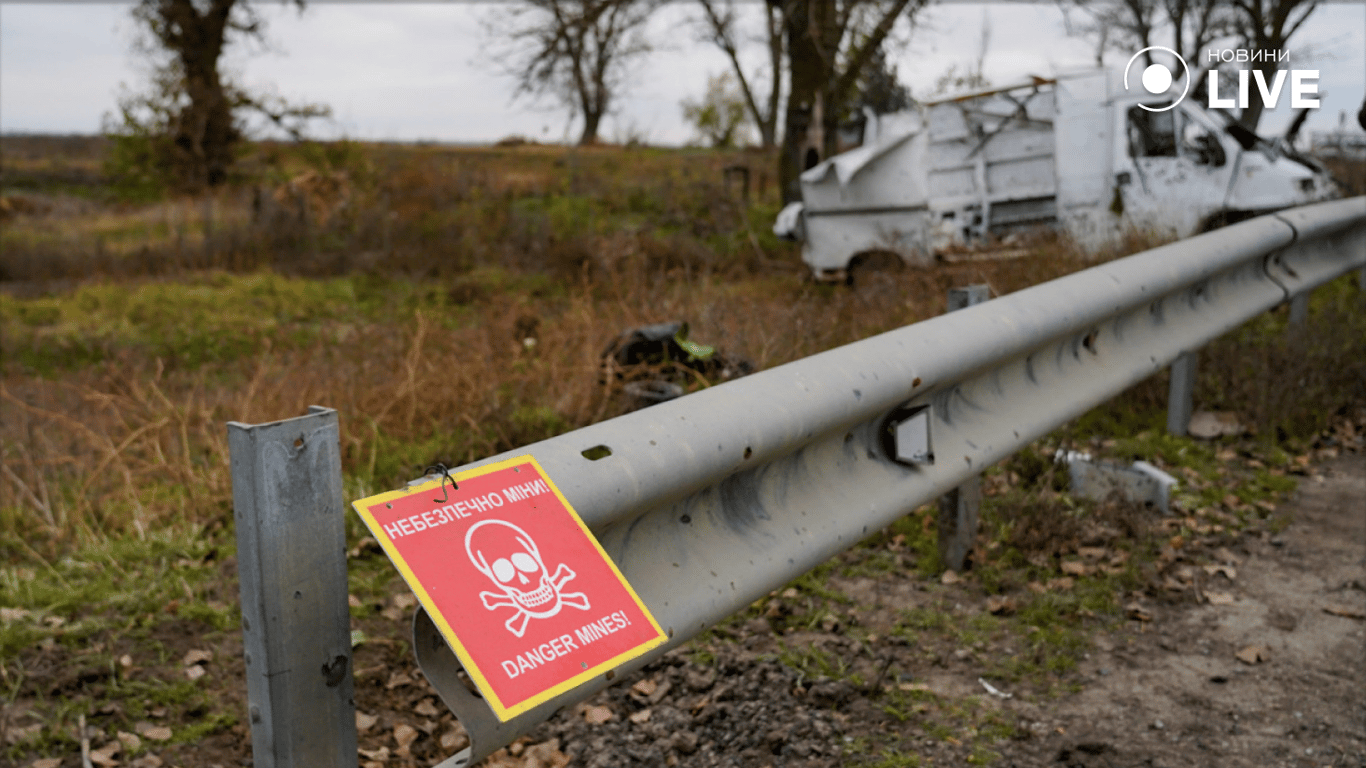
column 1080, row 153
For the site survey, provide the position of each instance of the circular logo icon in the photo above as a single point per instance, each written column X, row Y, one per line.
column 1157, row 79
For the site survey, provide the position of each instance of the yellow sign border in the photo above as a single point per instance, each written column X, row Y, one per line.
column 503, row 713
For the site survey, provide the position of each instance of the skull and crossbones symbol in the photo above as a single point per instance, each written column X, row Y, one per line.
column 509, row 557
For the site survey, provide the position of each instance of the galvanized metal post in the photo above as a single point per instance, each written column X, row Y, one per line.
column 1181, row 394
column 291, row 564
column 959, row 508
column 1361, row 278
column 1299, row 309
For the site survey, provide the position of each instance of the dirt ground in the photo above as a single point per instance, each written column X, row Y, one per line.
column 1273, row 678
column 1254, row 655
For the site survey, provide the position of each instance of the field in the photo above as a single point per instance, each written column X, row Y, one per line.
column 452, row 303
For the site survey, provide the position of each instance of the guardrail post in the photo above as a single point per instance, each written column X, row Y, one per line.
column 1299, row 309
column 1361, row 278
column 958, row 509
column 291, row 563
column 1181, row 394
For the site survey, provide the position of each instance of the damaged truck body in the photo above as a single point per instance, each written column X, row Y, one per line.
column 1079, row 153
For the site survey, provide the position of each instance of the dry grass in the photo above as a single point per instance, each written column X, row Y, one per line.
column 115, row 393
column 134, row 440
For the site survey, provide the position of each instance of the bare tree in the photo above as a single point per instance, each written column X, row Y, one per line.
column 576, row 51
column 830, row 43
column 1191, row 26
column 1266, row 26
column 1185, row 26
column 721, row 28
column 190, row 119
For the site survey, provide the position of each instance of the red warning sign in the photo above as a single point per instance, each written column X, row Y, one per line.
column 517, row 584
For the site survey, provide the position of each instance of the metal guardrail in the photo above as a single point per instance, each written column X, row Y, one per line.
column 709, row 502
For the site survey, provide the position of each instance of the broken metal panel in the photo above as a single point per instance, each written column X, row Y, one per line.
column 1139, row 483
column 1077, row 152
column 1083, row 141
column 708, row 502
column 833, row 236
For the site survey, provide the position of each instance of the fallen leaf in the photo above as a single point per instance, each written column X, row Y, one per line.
column 153, row 732
column 1000, row 605
column 379, row 755
column 8, row 615
column 1074, row 568
column 126, row 661
column 545, row 755
column 597, row 715
column 1222, row 555
column 790, row 593
column 455, row 739
column 1254, row 654
column 426, row 708
column 1219, row 598
column 950, row 577
column 397, row 679
column 392, row 614
column 365, row 722
column 354, row 601
column 643, row 716
column 46, row 762
column 1227, row 570
column 105, row 754
column 1036, row 587
column 197, row 657
column 195, row 672
column 404, row 736
column 147, row 761
column 404, row 600
column 1346, row 611
column 1093, row 553
column 644, row 687
column 130, row 740
column 1137, row 612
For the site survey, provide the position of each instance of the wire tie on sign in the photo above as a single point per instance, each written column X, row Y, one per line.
column 445, row 473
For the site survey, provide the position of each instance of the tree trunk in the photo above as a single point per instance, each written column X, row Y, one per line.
column 590, row 128
column 205, row 134
column 806, row 79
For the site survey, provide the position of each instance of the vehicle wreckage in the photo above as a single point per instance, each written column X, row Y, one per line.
column 1080, row 153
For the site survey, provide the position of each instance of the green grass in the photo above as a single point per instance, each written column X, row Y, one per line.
column 116, row 583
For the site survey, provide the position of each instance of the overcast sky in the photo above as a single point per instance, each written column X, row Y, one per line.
column 417, row 71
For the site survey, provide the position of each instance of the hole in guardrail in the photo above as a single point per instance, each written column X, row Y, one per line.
column 597, row 452
column 748, row 452
column 465, row 680
column 1090, row 341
